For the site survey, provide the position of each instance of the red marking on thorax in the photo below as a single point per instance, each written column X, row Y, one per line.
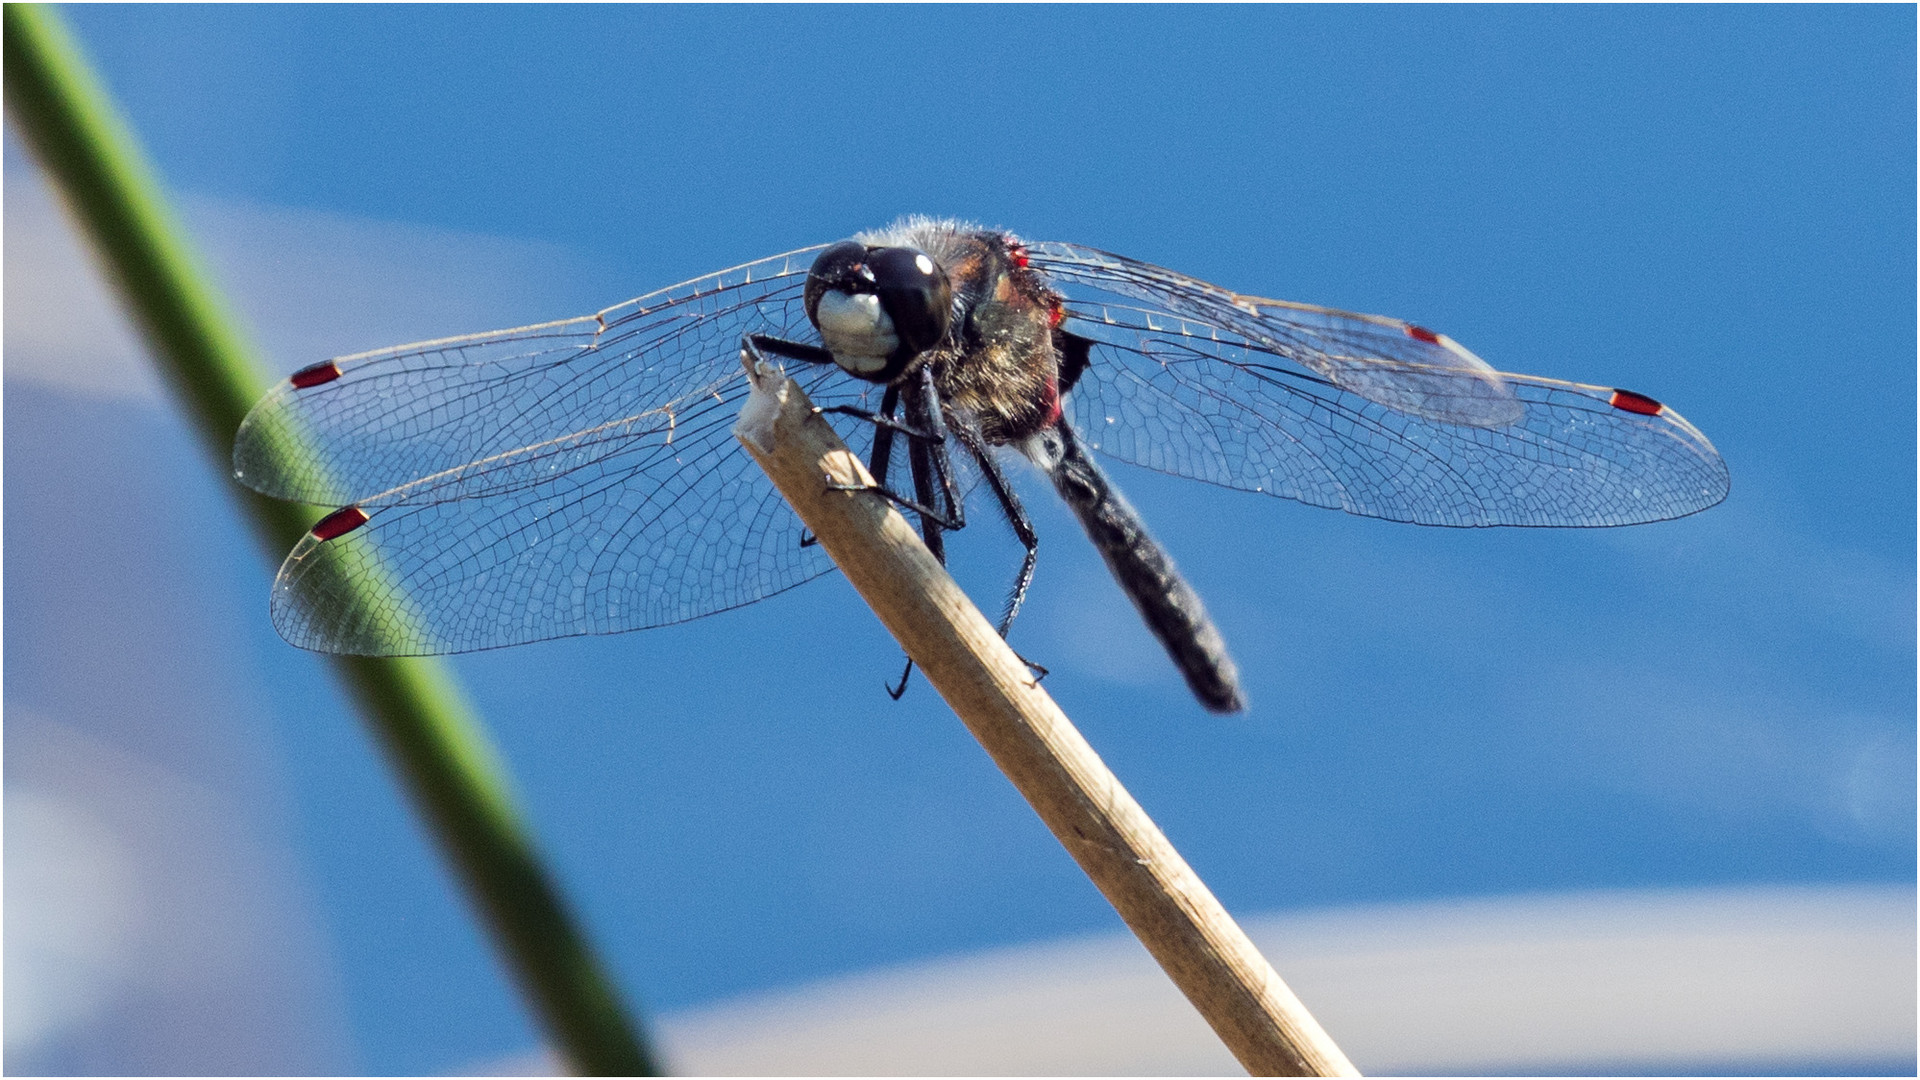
column 339, row 523
column 1017, row 251
column 1052, row 399
column 1056, row 314
column 1628, row 401
column 317, row 375
column 1421, row 333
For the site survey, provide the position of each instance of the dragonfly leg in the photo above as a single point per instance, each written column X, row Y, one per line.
column 931, row 521
column 898, row 690
column 881, row 460
column 884, row 428
column 1016, row 513
column 880, row 420
column 927, row 455
column 928, row 515
column 929, row 451
column 792, row 350
column 1016, row 516
column 921, row 463
column 926, row 435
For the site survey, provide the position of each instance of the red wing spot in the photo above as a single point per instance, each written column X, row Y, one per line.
column 317, row 375
column 1628, row 401
column 1421, row 333
column 339, row 523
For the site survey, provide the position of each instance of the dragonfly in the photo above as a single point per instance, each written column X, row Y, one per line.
column 580, row 476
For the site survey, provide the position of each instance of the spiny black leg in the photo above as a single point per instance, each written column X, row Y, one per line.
column 919, row 437
column 929, row 514
column 902, row 502
column 921, row 462
column 878, row 420
column 792, row 350
column 920, row 458
column 932, row 420
column 928, row 457
column 1016, row 516
column 899, row 690
column 1016, row 513
column 882, row 458
column 884, row 426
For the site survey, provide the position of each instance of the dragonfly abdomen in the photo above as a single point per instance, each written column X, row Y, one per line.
column 1143, row 569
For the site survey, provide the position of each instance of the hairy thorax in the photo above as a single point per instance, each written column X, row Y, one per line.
column 1000, row 368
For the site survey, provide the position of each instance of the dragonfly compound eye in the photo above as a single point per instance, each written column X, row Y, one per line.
column 915, row 293
column 841, row 268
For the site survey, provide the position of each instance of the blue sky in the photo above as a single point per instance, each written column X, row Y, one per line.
column 1713, row 206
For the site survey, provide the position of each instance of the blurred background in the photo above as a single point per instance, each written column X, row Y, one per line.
column 1644, row 795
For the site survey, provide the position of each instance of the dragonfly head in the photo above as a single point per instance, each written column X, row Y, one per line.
column 877, row 307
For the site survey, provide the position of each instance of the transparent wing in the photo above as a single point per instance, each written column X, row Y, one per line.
column 1360, row 413
column 572, row 478
column 458, row 417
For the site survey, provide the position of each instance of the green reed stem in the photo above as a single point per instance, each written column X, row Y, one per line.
column 449, row 764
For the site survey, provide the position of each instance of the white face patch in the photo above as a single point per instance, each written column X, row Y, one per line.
column 856, row 330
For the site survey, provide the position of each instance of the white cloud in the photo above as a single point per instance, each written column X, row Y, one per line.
column 307, row 285
column 148, row 920
column 72, row 907
column 314, row 285
column 62, row 324
column 1725, row 752
column 1712, row 977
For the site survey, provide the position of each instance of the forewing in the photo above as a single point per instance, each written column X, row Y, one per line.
column 572, row 478
column 463, row 416
column 1359, row 413
column 1390, row 361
